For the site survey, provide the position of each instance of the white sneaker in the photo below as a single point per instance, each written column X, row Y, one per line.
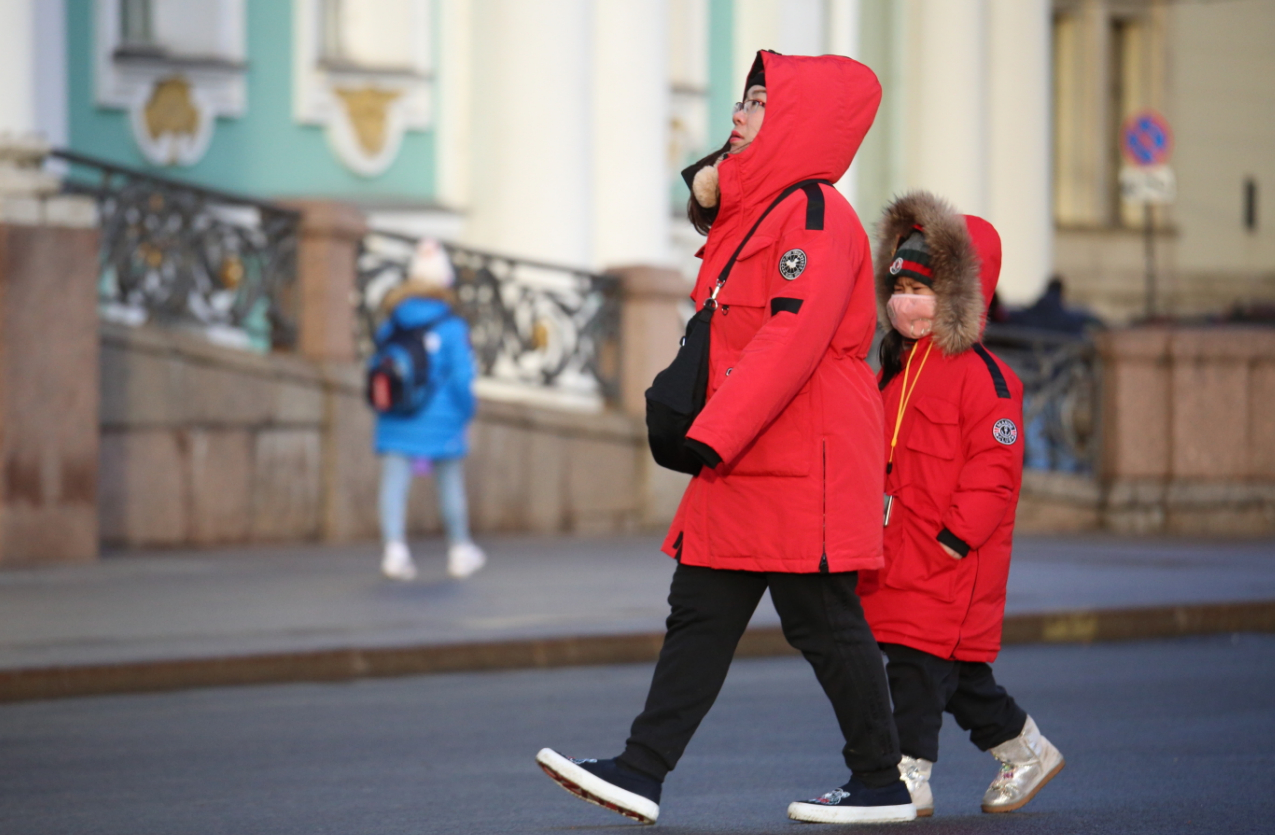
column 464, row 558
column 397, row 562
column 1028, row 762
column 916, row 773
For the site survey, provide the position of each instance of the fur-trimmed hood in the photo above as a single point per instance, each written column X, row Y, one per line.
column 965, row 257
column 410, row 289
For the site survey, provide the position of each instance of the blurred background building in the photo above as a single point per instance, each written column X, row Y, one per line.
column 554, row 129
column 316, row 139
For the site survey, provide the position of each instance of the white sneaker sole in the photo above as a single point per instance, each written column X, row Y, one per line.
column 402, row 575
column 468, row 569
column 595, row 790
column 816, row 813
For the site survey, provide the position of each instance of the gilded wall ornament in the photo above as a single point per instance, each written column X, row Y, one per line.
column 368, row 110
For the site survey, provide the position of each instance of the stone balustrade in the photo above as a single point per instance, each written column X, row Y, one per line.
column 1189, row 430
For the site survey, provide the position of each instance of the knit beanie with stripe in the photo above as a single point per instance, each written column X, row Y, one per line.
column 912, row 259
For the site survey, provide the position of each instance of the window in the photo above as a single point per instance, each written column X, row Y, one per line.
column 375, row 35
column 1106, row 68
column 189, row 31
column 135, row 22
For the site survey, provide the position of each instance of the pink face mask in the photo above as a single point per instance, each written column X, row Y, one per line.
column 911, row 315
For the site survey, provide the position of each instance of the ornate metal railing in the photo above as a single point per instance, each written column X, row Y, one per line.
column 176, row 253
column 533, row 325
column 1060, row 394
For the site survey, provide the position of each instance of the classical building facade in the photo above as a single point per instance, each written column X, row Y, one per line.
column 554, row 128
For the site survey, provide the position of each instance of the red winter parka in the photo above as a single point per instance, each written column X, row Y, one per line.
column 958, row 463
column 793, row 410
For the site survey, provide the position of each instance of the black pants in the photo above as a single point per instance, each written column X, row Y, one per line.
column 821, row 617
column 924, row 685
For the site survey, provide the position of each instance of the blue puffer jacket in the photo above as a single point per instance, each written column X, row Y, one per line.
column 438, row 430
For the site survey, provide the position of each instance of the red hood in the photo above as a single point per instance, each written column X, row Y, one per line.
column 818, row 109
column 987, row 244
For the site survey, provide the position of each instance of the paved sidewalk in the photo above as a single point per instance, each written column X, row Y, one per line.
column 283, row 603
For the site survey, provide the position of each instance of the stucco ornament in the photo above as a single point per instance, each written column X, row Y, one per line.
column 366, row 128
column 172, row 122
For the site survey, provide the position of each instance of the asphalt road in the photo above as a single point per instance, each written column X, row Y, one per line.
column 1160, row 737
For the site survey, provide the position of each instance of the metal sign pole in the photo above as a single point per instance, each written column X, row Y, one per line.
column 1146, row 142
column 1148, row 235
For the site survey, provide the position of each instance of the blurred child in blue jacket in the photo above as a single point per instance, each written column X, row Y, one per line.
column 435, row 438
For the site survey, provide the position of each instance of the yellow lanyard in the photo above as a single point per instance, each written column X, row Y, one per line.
column 905, row 397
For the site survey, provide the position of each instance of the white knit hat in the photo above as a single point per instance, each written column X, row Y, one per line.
column 430, row 265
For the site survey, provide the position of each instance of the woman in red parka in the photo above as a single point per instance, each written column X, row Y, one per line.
column 789, row 498
column 953, row 472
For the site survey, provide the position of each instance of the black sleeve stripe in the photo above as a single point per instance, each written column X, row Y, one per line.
column 781, row 305
column 814, row 205
column 954, row 542
column 998, row 379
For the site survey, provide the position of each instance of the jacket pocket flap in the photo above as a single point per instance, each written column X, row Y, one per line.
column 744, row 290
column 938, row 411
column 755, row 245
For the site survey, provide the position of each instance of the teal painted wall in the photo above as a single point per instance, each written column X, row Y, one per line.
column 723, row 87
column 265, row 152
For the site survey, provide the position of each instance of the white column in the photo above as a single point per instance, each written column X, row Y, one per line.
column 17, row 67
column 1019, row 139
column 630, row 133
column 454, row 97
column 532, row 127
column 946, row 135
column 757, row 26
column 49, row 66
column 842, row 38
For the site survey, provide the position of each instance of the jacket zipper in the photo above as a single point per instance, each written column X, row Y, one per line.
column 823, row 560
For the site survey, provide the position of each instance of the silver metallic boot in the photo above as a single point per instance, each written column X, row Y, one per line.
column 1028, row 762
column 916, row 773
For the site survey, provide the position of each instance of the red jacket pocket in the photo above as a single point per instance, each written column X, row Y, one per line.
column 936, row 430
column 785, row 448
column 914, row 559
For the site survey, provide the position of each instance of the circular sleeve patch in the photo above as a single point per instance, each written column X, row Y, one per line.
column 1005, row 431
column 792, row 264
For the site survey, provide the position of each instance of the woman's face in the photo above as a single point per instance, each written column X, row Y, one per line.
column 748, row 118
column 912, row 287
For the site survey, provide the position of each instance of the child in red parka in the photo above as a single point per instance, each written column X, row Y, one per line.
column 953, row 413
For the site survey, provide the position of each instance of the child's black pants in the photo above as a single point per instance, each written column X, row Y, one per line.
column 924, row 685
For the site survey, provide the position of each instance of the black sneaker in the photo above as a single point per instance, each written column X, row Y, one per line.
column 856, row 802
column 606, row 783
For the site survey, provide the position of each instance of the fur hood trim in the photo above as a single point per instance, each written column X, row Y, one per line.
column 705, row 188
column 960, row 309
column 413, row 290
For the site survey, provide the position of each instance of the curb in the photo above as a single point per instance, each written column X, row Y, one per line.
column 1080, row 626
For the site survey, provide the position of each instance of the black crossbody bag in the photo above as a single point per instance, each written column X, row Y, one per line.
column 677, row 395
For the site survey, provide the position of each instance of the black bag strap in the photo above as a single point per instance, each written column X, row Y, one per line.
column 808, row 185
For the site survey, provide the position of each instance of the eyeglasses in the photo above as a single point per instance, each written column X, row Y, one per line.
column 749, row 107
